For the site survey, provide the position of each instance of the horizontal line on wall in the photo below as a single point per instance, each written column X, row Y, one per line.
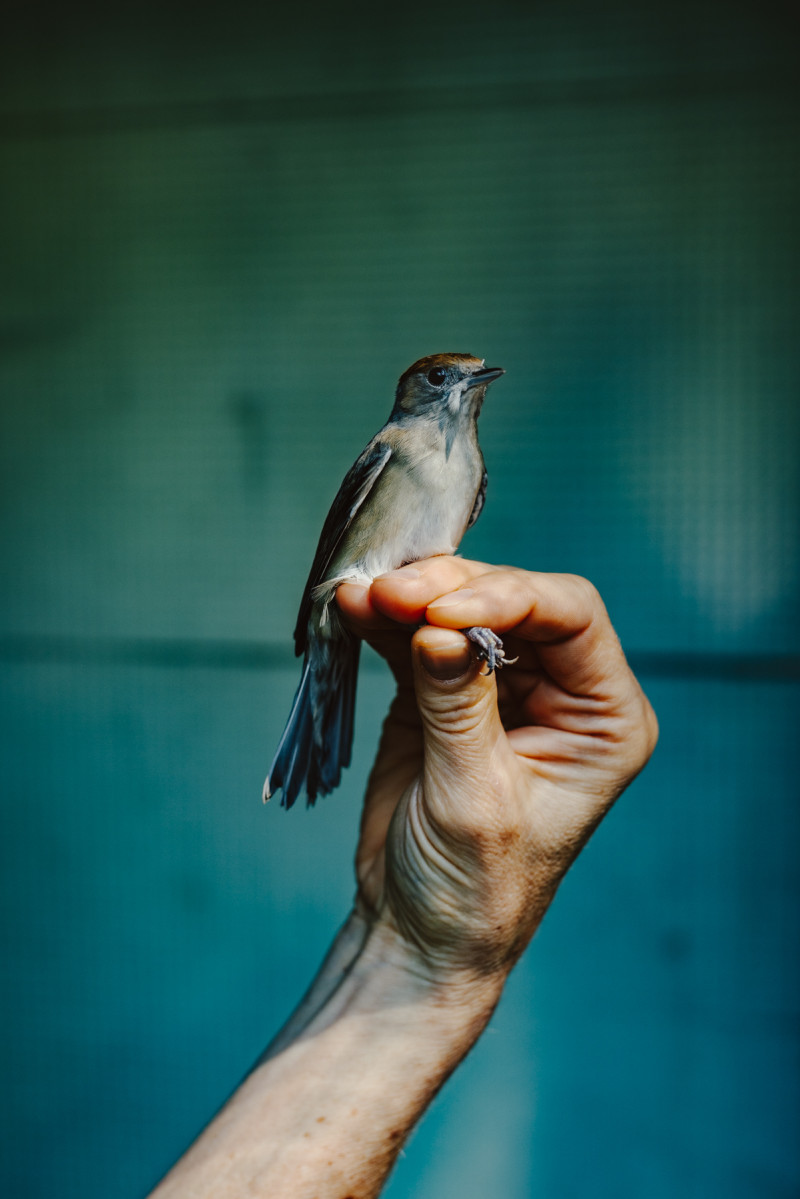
column 148, row 651
column 390, row 102
column 266, row 655
column 711, row 667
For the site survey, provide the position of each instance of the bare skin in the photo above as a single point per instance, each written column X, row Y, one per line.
column 484, row 790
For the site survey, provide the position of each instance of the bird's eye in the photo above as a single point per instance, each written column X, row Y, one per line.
column 437, row 375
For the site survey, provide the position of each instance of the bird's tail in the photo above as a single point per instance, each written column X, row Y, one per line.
column 317, row 742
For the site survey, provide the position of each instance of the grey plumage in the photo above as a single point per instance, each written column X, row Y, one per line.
column 412, row 493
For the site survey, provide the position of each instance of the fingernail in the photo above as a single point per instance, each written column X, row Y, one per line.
column 448, row 661
column 455, row 597
column 400, row 576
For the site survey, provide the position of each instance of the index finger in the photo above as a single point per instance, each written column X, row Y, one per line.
column 562, row 615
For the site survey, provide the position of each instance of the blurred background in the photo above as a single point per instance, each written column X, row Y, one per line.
column 225, row 232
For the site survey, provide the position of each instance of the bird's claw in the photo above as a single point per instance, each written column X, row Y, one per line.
column 489, row 648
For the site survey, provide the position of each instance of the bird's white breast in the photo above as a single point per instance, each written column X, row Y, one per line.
column 419, row 507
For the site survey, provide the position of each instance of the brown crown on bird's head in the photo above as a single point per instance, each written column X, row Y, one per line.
column 464, row 363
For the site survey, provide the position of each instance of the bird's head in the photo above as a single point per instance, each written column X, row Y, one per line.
column 444, row 386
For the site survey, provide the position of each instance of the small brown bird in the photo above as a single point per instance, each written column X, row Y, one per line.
column 413, row 493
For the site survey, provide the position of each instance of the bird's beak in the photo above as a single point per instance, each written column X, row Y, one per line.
column 482, row 377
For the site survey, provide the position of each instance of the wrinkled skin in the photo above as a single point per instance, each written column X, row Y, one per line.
column 462, row 849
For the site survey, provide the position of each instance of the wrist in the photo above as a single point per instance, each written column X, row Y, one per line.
column 392, row 976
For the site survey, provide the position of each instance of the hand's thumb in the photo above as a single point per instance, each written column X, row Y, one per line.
column 457, row 701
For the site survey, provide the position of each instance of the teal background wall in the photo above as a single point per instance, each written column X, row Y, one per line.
column 225, row 232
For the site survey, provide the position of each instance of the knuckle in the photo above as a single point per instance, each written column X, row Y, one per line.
column 643, row 735
column 586, row 590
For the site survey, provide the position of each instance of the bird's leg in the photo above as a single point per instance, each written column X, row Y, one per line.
column 489, row 648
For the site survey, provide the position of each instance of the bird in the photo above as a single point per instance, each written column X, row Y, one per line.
column 412, row 493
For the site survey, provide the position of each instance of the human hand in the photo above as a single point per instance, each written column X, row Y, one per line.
column 486, row 787
column 484, row 790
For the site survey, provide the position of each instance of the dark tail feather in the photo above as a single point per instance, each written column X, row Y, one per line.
column 335, row 712
column 318, row 738
column 290, row 764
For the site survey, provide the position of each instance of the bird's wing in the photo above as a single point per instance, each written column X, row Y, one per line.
column 358, row 482
column 480, row 500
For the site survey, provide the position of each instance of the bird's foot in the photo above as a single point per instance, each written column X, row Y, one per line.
column 489, row 648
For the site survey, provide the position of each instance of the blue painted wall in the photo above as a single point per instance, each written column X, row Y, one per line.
column 224, row 234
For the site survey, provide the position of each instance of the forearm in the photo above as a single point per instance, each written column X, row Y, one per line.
column 324, row 1116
